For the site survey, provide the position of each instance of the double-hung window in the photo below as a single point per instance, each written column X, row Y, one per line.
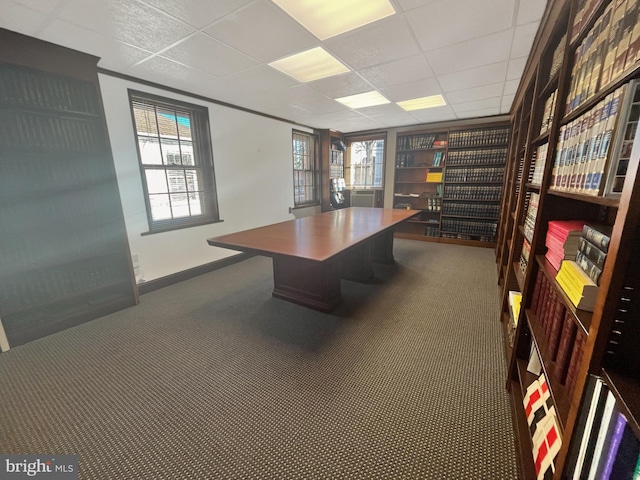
column 306, row 172
column 176, row 161
column 364, row 166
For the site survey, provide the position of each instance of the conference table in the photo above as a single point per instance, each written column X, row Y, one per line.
column 312, row 254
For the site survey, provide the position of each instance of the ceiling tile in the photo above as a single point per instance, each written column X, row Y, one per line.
column 113, row 55
column 354, row 125
column 477, row 105
column 397, row 72
column 262, row 31
column 340, row 85
column 166, row 72
column 437, row 114
column 406, row 5
column 395, row 119
column 485, row 112
column 44, row 6
column 516, row 67
column 325, row 106
column 446, row 22
column 523, row 39
column 127, row 21
column 476, row 93
column 530, row 11
column 379, row 110
column 409, row 91
column 374, row 44
column 209, row 55
column 474, row 77
column 511, row 86
column 198, row 13
column 463, row 56
column 260, row 79
column 507, row 100
column 21, row 19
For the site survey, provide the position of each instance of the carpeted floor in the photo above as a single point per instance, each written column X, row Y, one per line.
column 213, row 378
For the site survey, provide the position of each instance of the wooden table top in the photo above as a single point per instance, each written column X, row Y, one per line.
column 318, row 237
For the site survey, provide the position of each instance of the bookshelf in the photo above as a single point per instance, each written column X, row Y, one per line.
column 455, row 177
column 65, row 254
column 573, row 155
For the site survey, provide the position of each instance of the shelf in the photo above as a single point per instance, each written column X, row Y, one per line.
column 540, row 139
column 586, row 25
column 492, row 219
column 442, row 147
column 474, row 183
column 533, row 186
column 551, row 85
column 605, row 201
column 424, row 222
column 518, row 274
column 475, row 147
column 473, row 165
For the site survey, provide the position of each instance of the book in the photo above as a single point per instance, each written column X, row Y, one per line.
column 593, row 253
column 607, row 427
column 614, row 444
column 565, row 347
column 626, row 457
column 576, row 358
column 598, row 235
column 581, row 290
column 586, row 438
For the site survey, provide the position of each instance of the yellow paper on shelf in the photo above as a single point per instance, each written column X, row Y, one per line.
column 515, row 300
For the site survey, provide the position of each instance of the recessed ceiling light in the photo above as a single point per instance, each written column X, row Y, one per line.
column 361, row 100
column 423, row 102
column 310, row 65
column 327, row 18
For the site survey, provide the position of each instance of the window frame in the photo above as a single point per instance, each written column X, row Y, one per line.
column 314, row 171
column 201, row 154
column 348, row 165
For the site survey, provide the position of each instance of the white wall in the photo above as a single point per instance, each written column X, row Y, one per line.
column 253, row 168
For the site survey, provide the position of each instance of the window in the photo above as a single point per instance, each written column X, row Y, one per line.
column 305, row 169
column 174, row 149
column 364, row 167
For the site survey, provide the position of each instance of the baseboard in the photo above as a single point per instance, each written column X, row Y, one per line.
column 177, row 277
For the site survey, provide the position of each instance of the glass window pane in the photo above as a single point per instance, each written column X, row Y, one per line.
column 195, row 203
column 167, row 125
column 160, row 207
column 177, row 181
column 156, row 181
column 149, row 151
column 192, row 180
column 171, row 152
column 180, row 205
column 145, row 121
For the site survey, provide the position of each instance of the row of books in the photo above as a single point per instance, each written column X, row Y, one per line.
column 408, row 160
column 604, row 445
column 485, row 210
column 546, row 438
column 585, row 9
column 22, row 87
column 525, row 254
column 476, row 238
column 628, row 131
column 420, row 141
column 609, row 49
column 50, row 133
column 484, row 156
column 477, row 192
column 562, row 240
column 530, row 218
column 432, row 231
column 547, row 113
column 557, row 57
column 583, row 147
column 565, row 341
column 475, row 174
column 576, row 284
column 538, row 163
column 471, row 227
column 478, row 137
column 434, row 204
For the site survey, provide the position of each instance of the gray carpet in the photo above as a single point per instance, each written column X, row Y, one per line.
column 213, row 378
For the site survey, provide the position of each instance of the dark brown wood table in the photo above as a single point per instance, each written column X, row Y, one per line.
column 311, row 254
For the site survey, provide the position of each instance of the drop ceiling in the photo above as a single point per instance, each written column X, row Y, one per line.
column 472, row 52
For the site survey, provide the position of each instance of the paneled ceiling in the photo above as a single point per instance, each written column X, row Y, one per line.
column 472, row 52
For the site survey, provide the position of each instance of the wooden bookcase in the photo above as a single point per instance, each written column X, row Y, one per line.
column 562, row 86
column 454, row 175
column 63, row 243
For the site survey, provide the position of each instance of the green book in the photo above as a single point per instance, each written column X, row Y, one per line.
column 636, row 472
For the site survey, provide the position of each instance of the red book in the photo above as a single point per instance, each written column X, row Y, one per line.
column 566, row 347
column 557, row 324
column 576, row 358
column 536, row 291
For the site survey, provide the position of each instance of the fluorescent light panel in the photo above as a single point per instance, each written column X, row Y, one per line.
column 310, row 65
column 328, row 18
column 361, row 100
column 423, row 102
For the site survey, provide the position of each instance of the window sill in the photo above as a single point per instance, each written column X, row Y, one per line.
column 300, row 207
column 179, row 227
